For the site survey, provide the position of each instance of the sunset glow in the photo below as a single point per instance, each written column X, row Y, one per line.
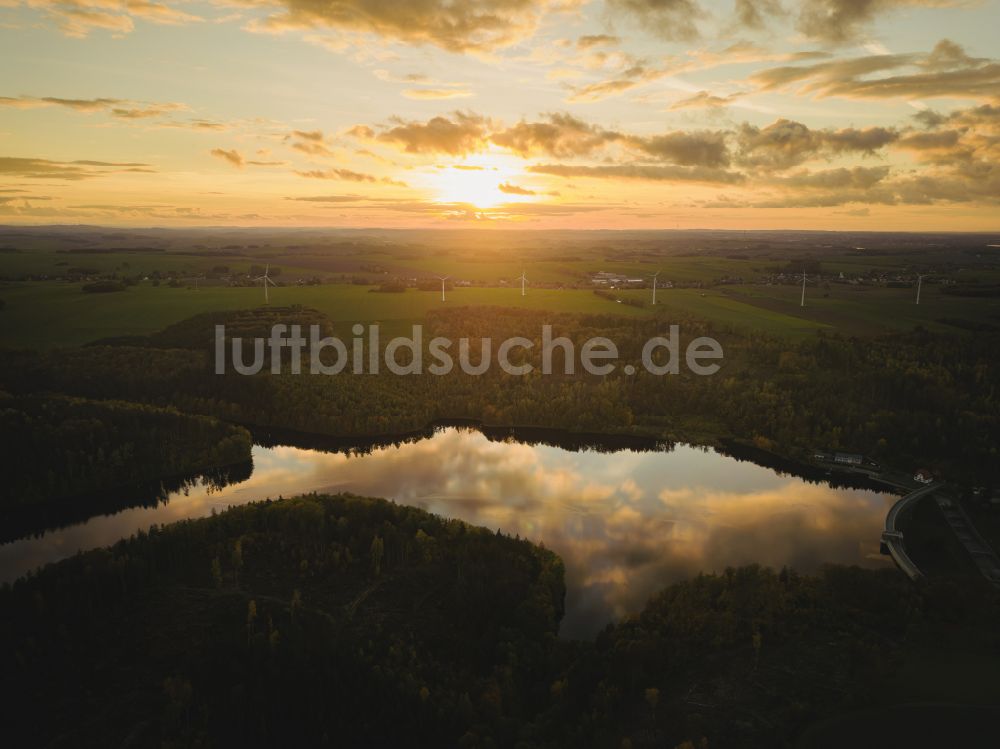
column 824, row 114
column 484, row 182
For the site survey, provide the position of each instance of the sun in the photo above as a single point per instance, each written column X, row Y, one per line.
column 483, row 181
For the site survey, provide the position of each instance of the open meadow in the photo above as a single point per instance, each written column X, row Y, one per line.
column 731, row 280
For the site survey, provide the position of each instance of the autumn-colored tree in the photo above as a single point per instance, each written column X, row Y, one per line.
column 378, row 553
column 217, row 572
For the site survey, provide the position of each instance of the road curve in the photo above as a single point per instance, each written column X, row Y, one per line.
column 892, row 537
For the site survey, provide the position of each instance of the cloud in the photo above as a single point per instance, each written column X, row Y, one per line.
column 823, row 73
column 963, row 151
column 77, row 18
column 704, row 100
column 207, row 125
column 309, row 142
column 80, row 105
column 687, row 148
column 857, row 178
column 666, row 173
column 779, row 146
column 66, row 170
column 961, row 165
column 430, row 88
column 312, row 149
column 751, row 14
column 947, row 71
column 158, row 13
column 122, row 108
column 347, row 175
column 453, row 25
column 596, row 40
column 233, row 157
column 436, row 93
column 981, row 82
column 385, row 75
column 457, row 135
column 673, row 20
column 566, row 136
column 628, row 79
column 838, row 21
column 329, row 198
column 510, row 189
column 561, row 136
column 849, row 139
column 144, row 112
column 362, row 132
column 985, row 116
column 785, row 143
column 944, row 139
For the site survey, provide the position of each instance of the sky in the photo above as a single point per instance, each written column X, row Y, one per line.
column 544, row 114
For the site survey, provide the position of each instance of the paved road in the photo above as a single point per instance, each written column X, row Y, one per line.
column 981, row 552
column 892, row 537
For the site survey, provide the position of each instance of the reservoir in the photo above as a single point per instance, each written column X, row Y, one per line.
column 626, row 522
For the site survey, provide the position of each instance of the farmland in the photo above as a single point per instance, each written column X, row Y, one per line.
column 745, row 281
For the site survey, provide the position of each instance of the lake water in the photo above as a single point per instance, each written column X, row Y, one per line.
column 626, row 523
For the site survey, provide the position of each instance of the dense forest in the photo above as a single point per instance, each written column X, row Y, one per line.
column 324, row 620
column 67, row 447
column 346, row 621
column 910, row 400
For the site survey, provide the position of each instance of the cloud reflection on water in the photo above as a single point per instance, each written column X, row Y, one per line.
column 625, row 523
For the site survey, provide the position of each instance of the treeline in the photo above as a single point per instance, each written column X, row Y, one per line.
column 346, row 621
column 62, row 447
column 910, row 400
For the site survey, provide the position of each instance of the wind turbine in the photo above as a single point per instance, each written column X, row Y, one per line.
column 654, row 286
column 265, row 280
column 803, row 302
column 919, row 282
column 442, row 279
column 524, row 279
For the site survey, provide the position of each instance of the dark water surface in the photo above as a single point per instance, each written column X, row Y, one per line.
column 626, row 522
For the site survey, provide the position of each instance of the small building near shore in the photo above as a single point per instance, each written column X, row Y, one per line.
column 923, row 476
column 850, row 459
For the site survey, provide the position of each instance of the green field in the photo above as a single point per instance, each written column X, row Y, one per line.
column 43, row 305
column 488, row 269
column 49, row 315
column 863, row 310
column 541, row 270
column 723, row 309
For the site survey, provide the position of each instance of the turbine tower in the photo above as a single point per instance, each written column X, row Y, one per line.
column 654, row 286
column 803, row 302
column 524, row 279
column 920, row 280
column 442, row 279
column 265, row 280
